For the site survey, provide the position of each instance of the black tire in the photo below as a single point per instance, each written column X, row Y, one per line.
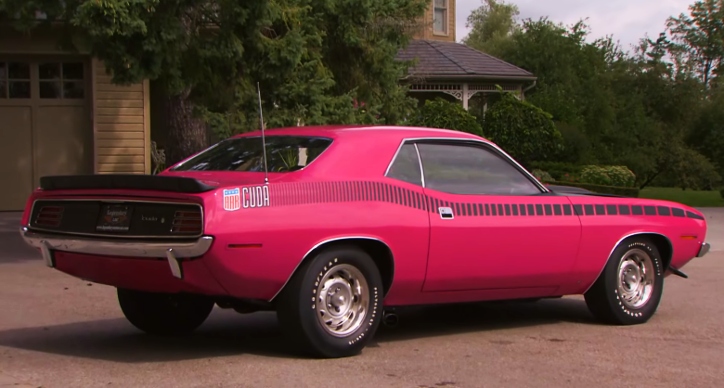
column 164, row 314
column 609, row 305
column 298, row 311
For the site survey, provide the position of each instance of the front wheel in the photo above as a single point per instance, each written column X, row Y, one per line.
column 164, row 314
column 331, row 307
column 629, row 289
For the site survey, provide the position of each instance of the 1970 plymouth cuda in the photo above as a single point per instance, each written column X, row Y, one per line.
column 353, row 221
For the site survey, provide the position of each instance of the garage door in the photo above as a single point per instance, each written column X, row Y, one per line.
column 45, row 123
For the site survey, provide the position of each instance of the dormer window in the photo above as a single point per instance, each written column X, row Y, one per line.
column 440, row 17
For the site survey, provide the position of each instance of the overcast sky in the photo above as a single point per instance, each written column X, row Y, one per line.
column 626, row 20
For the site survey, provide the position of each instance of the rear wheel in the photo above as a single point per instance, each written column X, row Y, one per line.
column 629, row 289
column 331, row 307
column 164, row 314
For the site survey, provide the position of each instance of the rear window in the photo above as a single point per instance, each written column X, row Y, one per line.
column 284, row 154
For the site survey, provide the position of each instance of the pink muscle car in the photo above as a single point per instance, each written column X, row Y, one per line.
column 352, row 222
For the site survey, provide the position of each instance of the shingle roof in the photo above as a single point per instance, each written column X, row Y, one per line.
column 441, row 59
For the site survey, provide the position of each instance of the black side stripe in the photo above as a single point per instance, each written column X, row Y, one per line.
column 303, row 193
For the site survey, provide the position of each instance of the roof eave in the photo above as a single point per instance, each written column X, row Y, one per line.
column 469, row 77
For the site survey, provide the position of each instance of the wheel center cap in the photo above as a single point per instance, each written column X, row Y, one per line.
column 339, row 301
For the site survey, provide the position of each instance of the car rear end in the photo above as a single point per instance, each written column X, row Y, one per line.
column 128, row 231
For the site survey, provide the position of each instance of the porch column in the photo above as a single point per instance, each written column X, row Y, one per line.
column 466, row 96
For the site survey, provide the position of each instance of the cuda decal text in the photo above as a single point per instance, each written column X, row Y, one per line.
column 246, row 197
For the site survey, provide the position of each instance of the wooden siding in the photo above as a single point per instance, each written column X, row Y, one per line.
column 121, row 125
column 427, row 29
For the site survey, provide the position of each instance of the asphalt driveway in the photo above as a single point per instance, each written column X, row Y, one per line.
column 58, row 331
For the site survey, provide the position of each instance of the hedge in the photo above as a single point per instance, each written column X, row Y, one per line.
column 615, row 190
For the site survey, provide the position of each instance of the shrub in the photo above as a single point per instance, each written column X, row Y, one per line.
column 440, row 113
column 559, row 170
column 721, row 192
column 522, row 129
column 619, row 176
column 542, row 176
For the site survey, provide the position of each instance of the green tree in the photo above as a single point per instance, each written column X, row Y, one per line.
column 492, row 26
column 440, row 113
column 522, row 129
column 312, row 58
column 700, row 36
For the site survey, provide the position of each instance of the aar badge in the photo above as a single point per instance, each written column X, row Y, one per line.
column 232, row 199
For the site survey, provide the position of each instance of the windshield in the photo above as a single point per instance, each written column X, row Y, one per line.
column 284, row 154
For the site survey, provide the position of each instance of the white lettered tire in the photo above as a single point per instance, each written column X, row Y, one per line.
column 332, row 305
column 629, row 289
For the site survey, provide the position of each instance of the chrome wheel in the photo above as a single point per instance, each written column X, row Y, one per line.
column 635, row 278
column 341, row 301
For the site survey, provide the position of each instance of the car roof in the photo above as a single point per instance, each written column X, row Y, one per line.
column 365, row 131
column 359, row 151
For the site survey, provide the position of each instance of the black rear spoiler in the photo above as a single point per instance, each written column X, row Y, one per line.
column 124, row 181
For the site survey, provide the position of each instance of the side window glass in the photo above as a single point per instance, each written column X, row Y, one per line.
column 406, row 166
column 466, row 169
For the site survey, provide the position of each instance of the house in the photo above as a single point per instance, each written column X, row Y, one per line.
column 60, row 114
column 454, row 70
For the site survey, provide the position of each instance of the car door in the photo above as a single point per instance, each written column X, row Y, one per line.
column 492, row 226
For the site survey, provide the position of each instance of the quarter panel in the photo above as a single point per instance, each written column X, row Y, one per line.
column 608, row 220
column 257, row 249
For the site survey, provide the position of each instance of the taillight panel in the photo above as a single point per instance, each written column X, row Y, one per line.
column 118, row 218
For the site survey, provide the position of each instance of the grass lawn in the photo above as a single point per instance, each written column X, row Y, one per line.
column 693, row 198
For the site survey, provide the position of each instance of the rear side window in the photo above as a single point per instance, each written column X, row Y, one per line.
column 284, row 154
column 406, row 166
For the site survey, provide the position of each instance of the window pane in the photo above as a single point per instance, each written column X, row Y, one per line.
column 19, row 89
column 284, row 154
column 439, row 22
column 3, row 71
column 406, row 166
column 49, row 71
column 3, row 89
column 73, row 71
column 462, row 169
column 440, row 3
column 18, row 70
column 50, row 89
column 73, row 89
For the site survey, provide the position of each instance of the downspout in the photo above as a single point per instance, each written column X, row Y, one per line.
column 531, row 86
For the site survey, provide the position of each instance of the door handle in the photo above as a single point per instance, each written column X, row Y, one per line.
column 446, row 213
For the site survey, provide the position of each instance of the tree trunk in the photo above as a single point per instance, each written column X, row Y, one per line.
column 186, row 133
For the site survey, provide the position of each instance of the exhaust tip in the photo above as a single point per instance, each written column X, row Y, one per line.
column 390, row 319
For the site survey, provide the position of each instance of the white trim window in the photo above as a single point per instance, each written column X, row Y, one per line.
column 440, row 17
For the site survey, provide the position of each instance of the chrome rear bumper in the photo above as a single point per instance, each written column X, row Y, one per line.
column 171, row 251
column 704, row 249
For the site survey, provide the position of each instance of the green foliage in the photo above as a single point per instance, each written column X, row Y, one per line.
column 560, row 170
column 615, row 190
column 522, row 129
column 542, row 176
column 312, row 58
column 707, row 134
column 440, row 113
column 654, row 109
column 492, row 25
column 693, row 170
column 699, row 38
column 619, row 176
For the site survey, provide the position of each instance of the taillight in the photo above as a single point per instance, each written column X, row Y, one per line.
column 187, row 222
column 49, row 216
